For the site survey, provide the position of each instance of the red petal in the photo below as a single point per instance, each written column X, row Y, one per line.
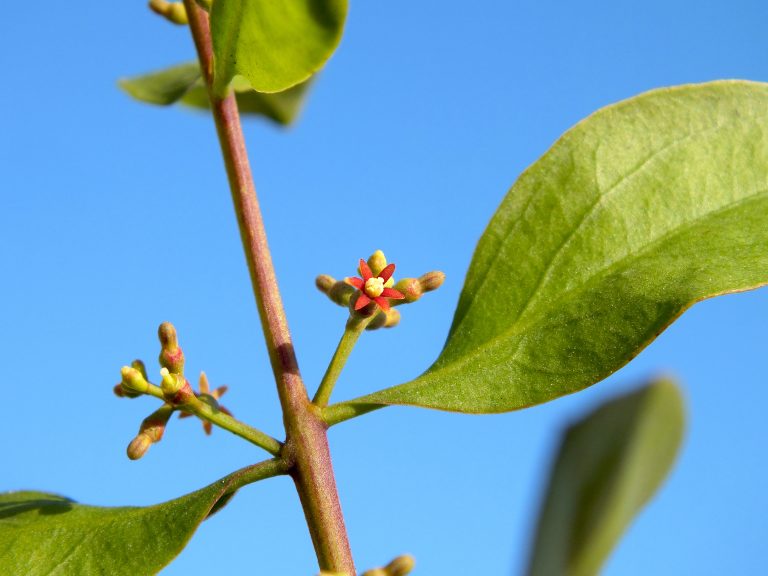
column 365, row 272
column 392, row 293
column 219, row 392
column 386, row 274
column 207, row 427
column 356, row 282
column 185, row 414
column 362, row 302
column 382, row 302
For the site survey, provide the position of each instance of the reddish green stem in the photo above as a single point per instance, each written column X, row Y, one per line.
column 306, row 446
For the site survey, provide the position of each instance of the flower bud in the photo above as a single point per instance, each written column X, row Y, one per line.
column 377, row 262
column 138, row 446
column 171, row 11
column 432, row 281
column 171, row 354
column 341, row 293
column 388, row 319
column 376, row 572
column 401, row 566
column 139, row 365
column 411, row 289
column 324, row 283
column 133, row 381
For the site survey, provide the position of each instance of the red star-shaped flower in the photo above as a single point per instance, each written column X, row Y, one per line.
column 375, row 288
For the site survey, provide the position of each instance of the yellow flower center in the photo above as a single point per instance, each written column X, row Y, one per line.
column 374, row 287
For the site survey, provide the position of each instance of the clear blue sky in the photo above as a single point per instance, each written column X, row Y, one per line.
column 115, row 216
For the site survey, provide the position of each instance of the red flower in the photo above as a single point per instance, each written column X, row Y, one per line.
column 375, row 288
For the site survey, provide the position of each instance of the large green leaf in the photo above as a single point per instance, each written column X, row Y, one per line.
column 183, row 83
column 609, row 465
column 45, row 534
column 274, row 45
column 636, row 213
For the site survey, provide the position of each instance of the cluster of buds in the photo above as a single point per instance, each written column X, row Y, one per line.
column 174, row 390
column 376, row 293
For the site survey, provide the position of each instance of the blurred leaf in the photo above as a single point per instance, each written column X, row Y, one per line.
column 184, row 83
column 608, row 466
column 274, row 45
column 282, row 107
column 635, row 214
column 43, row 534
column 164, row 86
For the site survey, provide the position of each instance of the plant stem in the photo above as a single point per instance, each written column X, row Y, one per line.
column 306, row 446
column 227, row 422
column 256, row 472
column 354, row 327
column 337, row 413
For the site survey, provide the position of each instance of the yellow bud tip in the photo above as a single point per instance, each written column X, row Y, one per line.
column 170, row 383
column 374, row 287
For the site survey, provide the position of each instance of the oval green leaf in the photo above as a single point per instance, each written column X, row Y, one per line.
column 636, row 213
column 608, row 466
column 44, row 534
column 274, row 45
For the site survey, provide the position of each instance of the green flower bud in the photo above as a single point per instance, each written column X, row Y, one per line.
column 324, row 283
column 388, row 319
column 411, row 289
column 401, row 566
column 133, row 381
column 377, row 262
column 171, row 11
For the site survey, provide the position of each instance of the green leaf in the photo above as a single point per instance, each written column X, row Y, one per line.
column 635, row 214
column 47, row 534
column 608, row 466
column 282, row 107
column 184, row 83
column 274, row 45
column 163, row 87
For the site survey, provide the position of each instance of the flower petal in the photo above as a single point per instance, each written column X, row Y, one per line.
column 207, row 426
column 219, row 392
column 365, row 272
column 382, row 302
column 185, row 414
column 362, row 302
column 358, row 283
column 386, row 274
column 392, row 293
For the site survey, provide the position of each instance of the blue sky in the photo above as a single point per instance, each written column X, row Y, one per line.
column 115, row 216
